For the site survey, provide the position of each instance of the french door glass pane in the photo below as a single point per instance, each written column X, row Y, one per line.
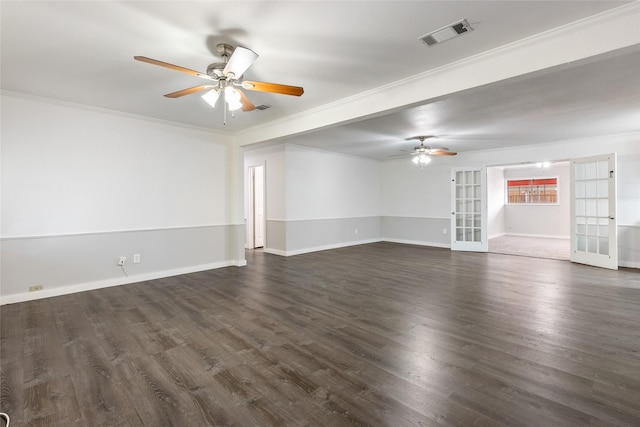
column 603, row 188
column 581, row 243
column 603, row 208
column 468, row 221
column 468, row 206
column 603, row 227
column 469, row 192
column 591, row 190
column 603, row 169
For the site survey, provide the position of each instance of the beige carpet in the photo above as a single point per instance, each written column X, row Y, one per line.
column 536, row 247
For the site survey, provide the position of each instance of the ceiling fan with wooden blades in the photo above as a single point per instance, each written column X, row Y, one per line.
column 226, row 79
column 422, row 152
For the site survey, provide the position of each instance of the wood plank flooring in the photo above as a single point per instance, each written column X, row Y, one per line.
column 380, row 334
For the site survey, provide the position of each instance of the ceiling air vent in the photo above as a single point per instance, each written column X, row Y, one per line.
column 446, row 33
column 262, row 107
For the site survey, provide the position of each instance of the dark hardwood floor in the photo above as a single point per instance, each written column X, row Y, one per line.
column 381, row 334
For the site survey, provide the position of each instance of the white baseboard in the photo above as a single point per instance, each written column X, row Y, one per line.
column 274, row 251
column 360, row 242
column 65, row 290
column 319, row 248
column 495, row 236
column 417, row 242
column 543, row 236
column 628, row 264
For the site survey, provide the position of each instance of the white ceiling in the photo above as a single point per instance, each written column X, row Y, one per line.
column 82, row 52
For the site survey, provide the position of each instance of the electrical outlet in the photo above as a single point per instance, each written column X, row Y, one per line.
column 136, row 258
column 35, row 288
column 122, row 260
column 444, row 231
column 356, row 231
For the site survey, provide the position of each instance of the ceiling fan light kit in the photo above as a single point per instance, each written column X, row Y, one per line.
column 422, row 154
column 211, row 97
column 232, row 96
column 421, row 159
column 228, row 79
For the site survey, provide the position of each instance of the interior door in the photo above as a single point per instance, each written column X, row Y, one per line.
column 258, row 207
column 594, row 231
column 469, row 210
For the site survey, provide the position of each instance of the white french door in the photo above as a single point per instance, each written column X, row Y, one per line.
column 594, row 231
column 468, row 210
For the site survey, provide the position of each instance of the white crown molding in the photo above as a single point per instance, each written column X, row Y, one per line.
column 226, row 136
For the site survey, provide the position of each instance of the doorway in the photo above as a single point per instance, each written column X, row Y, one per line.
column 256, row 217
column 530, row 228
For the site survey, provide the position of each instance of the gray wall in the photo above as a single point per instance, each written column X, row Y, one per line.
column 85, row 186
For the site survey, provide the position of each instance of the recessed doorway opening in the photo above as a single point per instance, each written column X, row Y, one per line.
column 256, row 217
column 531, row 223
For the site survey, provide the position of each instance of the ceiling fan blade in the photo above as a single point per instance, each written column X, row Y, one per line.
column 247, row 105
column 171, row 66
column 442, row 153
column 189, row 91
column 240, row 60
column 273, row 88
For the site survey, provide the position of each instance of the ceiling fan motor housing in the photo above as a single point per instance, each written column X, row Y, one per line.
column 225, row 51
column 215, row 70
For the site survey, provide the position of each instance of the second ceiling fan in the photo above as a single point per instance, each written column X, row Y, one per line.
column 226, row 79
column 422, row 152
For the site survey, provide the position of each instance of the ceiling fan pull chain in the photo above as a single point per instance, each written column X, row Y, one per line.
column 224, row 107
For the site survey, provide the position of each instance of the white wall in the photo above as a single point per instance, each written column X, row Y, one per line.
column 322, row 184
column 273, row 158
column 317, row 199
column 629, row 206
column 409, row 191
column 416, row 202
column 274, row 161
column 540, row 220
column 333, row 200
column 495, row 202
column 70, row 171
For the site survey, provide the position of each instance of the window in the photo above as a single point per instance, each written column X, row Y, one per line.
column 532, row 191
